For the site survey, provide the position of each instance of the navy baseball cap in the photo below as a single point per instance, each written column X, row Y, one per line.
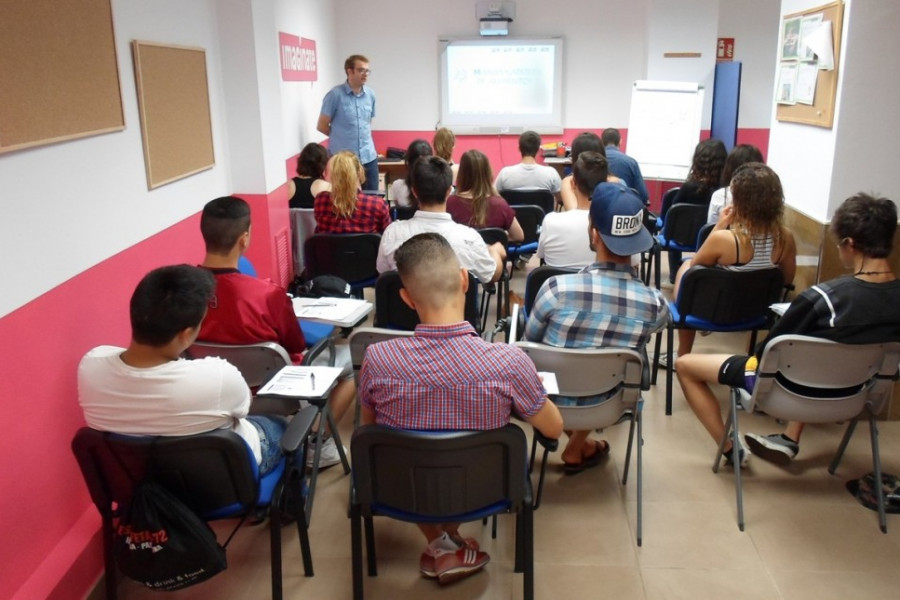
column 618, row 215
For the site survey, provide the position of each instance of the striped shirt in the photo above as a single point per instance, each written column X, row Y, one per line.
column 447, row 378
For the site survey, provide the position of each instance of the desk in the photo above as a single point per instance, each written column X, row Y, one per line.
column 392, row 169
column 560, row 163
column 340, row 312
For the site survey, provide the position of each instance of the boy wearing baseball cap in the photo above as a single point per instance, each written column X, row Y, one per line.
column 603, row 305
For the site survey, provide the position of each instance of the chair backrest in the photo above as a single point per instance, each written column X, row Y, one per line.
column 392, row 312
column 590, row 372
column 360, row 339
column 402, row 213
column 493, row 235
column 728, row 298
column 256, row 362
column 682, row 224
column 536, row 279
column 245, row 266
column 212, row 473
column 417, row 475
column 350, row 256
column 542, row 198
column 530, row 218
column 303, row 226
column 667, row 198
column 801, row 378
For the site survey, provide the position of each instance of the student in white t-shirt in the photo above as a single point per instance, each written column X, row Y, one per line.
column 739, row 156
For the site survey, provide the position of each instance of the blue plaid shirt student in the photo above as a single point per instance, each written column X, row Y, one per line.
column 603, row 305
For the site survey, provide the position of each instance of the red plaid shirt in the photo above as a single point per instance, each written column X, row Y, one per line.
column 446, row 377
column 370, row 215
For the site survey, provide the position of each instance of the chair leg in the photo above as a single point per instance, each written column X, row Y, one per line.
column 494, row 527
column 876, row 464
column 528, row 547
column 275, row 549
column 736, row 454
column 337, row 439
column 324, row 417
column 640, row 476
column 519, row 559
column 752, row 345
column 655, row 370
column 356, row 551
column 657, row 251
column 109, row 561
column 851, row 427
column 631, row 428
column 372, row 559
column 670, row 337
column 540, row 488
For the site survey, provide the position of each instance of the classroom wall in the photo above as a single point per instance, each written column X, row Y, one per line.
column 80, row 229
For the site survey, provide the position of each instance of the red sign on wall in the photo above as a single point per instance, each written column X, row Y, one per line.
column 298, row 58
column 725, row 50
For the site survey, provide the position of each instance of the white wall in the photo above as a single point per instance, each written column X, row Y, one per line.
column 70, row 205
column 754, row 25
column 684, row 26
column 605, row 51
column 865, row 156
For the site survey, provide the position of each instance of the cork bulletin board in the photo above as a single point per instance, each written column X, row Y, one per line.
column 821, row 111
column 173, row 97
column 59, row 79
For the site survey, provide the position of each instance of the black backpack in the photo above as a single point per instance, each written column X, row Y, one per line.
column 162, row 543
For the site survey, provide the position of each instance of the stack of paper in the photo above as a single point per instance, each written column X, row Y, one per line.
column 301, row 382
column 343, row 312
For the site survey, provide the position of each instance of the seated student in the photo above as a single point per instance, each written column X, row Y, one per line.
column 345, row 209
column 310, row 180
column 443, row 143
column 246, row 310
column 739, row 156
column 431, row 186
column 476, row 203
column 623, row 166
column 756, row 239
column 702, row 180
column 586, row 141
column 861, row 308
column 604, row 305
column 564, row 240
column 408, row 383
column 148, row 389
column 528, row 174
column 400, row 193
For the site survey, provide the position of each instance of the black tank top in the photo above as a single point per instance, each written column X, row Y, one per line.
column 302, row 197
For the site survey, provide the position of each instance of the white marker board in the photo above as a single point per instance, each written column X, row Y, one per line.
column 664, row 127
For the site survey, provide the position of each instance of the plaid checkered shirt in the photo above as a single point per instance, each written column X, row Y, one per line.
column 603, row 305
column 371, row 215
column 447, row 378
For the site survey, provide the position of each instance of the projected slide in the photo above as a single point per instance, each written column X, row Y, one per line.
column 501, row 86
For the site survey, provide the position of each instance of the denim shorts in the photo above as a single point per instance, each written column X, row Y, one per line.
column 270, row 429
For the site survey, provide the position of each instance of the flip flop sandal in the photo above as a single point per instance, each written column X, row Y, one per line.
column 591, row 461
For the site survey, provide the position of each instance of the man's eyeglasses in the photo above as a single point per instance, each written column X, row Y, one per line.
column 362, row 71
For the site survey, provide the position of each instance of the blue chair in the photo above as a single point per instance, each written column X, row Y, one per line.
column 439, row 477
column 530, row 218
column 213, row 473
column 716, row 299
column 246, row 267
column 678, row 233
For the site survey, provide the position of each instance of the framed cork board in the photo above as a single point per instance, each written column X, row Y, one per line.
column 173, row 98
column 59, row 79
column 816, row 106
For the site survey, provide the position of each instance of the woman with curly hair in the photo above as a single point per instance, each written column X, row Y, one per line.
column 310, row 180
column 749, row 234
column 345, row 209
column 477, row 203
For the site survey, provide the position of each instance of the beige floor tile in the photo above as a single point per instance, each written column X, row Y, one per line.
column 836, row 585
column 693, row 584
column 562, row 580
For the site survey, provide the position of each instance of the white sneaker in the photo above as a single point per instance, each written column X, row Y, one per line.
column 329, row 456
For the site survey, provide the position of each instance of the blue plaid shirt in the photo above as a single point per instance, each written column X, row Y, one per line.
column 603, row 305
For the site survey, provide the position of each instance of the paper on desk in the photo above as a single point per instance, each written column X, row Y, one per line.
column 302, row 382
column 327, row 309
column 549, row 380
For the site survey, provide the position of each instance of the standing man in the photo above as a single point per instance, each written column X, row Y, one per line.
column 346, row 117
column 623, row 166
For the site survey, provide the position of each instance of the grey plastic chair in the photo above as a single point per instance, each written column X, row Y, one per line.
column 801, row 378
column 590, row 372
column 303, row 226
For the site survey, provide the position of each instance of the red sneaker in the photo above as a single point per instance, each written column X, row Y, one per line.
column 426, row 560
column 453, row 566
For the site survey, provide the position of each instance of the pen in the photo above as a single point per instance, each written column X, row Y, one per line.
column 312, row 380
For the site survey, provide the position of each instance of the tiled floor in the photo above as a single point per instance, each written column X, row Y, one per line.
column 805, row 538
